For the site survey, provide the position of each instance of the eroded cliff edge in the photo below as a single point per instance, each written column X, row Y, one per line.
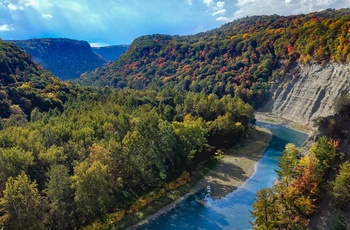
column 309, row 94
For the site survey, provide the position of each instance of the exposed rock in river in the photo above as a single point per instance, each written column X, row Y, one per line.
column 310, row 94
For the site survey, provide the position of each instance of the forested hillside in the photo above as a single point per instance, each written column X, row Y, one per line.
column 25, row 86
column 111, row 53
column 240, row 58
column 65, row 58
column 71, row 155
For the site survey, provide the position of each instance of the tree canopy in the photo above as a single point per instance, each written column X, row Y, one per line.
column 241, row 58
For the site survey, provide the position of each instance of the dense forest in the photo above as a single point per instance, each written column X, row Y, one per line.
column 74, row 156
column 68, row 160
column 65, row 58
column 25, row 86
column 241, row 58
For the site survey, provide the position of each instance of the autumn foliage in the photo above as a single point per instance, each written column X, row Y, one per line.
column 240, row 58
column 292, row 199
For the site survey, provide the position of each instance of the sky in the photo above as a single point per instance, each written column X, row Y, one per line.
column 113, row 22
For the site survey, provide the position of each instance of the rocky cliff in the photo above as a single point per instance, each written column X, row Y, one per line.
column 310, row 93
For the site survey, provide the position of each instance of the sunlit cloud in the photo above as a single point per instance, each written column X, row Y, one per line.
column 216, row 9
column 286, row 7
column 220, row 4
column 15, row 7
column 222, row 19
column 6, row 28
column 208, row 2
column 33, row 3
column 222, row 11
column 98, row 44
column 47, row 16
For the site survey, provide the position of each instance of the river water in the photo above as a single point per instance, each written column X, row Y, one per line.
column 200, row 211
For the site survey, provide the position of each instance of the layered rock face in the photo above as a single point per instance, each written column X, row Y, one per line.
column 310, row 94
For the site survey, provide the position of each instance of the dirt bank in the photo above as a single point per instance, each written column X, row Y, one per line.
column 237, row 165
column 270, row 118
column 229, row 173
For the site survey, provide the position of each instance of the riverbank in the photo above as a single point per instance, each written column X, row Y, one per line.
column 226, row 175
column 237, row 165
column 269, row 118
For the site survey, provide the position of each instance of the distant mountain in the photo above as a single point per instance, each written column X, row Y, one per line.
column 240, row 58
column 65, row 58
column 111, row 53
column 25, row 85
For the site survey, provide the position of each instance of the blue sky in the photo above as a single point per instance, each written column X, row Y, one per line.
column 107, row 22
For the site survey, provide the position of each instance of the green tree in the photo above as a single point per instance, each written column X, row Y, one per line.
column 341, row 185
column 288, row 163
column 325, row 151
column 22, row 205
column 60, row 198
column 92, row 190
column 53, row 155
column 266, row 210
column 191, row 136
column 225, row 131
column 12, row 162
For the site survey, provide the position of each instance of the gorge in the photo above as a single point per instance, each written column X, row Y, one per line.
column 200, row 211
column 97, row 151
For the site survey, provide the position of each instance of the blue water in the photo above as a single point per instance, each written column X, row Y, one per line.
column 200, row 211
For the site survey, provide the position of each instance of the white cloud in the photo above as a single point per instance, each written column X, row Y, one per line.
column 15, row 7
column 285, row 7
column 48, row 16
column 216, row 8
column 75, row 6
column 6, row 28
column 220, row 4
column 32, row 3
column 189, row 2
column 222, row 19
column 222, row 11
column 98, row 44
column 21, row 4
column 208, row 2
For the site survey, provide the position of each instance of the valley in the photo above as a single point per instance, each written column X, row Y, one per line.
column 138, row 132
column 205, row 209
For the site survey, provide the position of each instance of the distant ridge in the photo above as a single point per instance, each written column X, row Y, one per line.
column 111, row 53
column 65, row 58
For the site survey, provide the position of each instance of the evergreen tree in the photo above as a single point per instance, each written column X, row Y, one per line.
column 266, row 210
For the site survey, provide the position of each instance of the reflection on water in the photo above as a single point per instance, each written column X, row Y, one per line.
column 200, row 211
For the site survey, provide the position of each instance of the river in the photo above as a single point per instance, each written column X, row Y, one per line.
column 200, row 211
